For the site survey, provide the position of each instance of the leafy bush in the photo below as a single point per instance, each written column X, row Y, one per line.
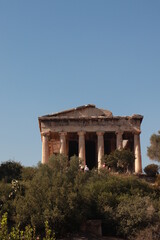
column 28, row 233
column 149, row 233
column 62, row 195
column 6, row 205
column 153, row 151
column 151, row 170
column 52, row 195
column 10, row 170
column 28, row 173
column 4, row 228
column 134, row 213
column 120, row 160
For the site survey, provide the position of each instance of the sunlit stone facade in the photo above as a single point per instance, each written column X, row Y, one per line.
column 89, row 133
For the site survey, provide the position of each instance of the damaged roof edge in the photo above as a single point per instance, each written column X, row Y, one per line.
column 71, row 110
column 106, row 114
column 135, row 116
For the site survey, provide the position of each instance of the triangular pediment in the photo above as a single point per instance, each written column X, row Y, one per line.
column 85, row 111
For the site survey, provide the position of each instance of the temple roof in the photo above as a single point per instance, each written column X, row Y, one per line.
column 88, row 111
column 85, row 111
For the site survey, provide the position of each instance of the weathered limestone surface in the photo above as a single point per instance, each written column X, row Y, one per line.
column 82, row 146
column 100, row 148
column 90, row 125
column 63, row 143
column 72, row 129
column 137, row 152
column 45, row 148
column 119, row 140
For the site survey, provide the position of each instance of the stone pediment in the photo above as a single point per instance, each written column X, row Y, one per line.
column 86, row 111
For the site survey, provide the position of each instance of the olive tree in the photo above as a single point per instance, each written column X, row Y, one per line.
column 120, row 160
column 153, row 151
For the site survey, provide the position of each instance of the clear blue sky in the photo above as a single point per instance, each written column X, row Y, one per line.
column 55, row 55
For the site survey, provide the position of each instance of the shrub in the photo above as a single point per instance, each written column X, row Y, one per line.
column 151, row 170
column 10, row 170
column 28, row 173
column 53, row 196
column 5, row 202
column 61, row 195
column 3, row 227
column 28, row 233
column 133, row 214
column 120, row 160
column 149, row 233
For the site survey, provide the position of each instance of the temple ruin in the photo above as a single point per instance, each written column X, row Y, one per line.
column 90, row 132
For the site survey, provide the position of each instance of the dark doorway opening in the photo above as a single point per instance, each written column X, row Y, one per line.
column 109, row 142
column 107, row 147
column 90, row 154
column 73, row 148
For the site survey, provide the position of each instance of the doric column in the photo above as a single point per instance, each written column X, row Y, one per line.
column 100, row 148
column 45, row 147
column 137, row 153
column 63, row 143
column 119, row 140
column 82, row 152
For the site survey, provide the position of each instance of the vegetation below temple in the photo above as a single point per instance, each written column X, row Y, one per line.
column 63, row 196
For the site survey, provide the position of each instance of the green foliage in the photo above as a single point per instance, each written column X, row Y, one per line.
column 6, row 203
column 49, row 234
column 134, row 213
column 149, row 233
column 10, row 170
column 151, row 170
column 153, row 151
column 4, row 228
column 59, row 194
column 29, row 233
column 28, row 173
column 16, row 233
column 120, row 160
column 52, row 195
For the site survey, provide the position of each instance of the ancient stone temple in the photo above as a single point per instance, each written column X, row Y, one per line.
column 90, row 132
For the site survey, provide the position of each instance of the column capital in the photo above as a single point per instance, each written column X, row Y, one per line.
column 45, row 134
column 81, row 133
column 137, row 132
column 100, row 133
column 120, row 132
column 63, row 133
